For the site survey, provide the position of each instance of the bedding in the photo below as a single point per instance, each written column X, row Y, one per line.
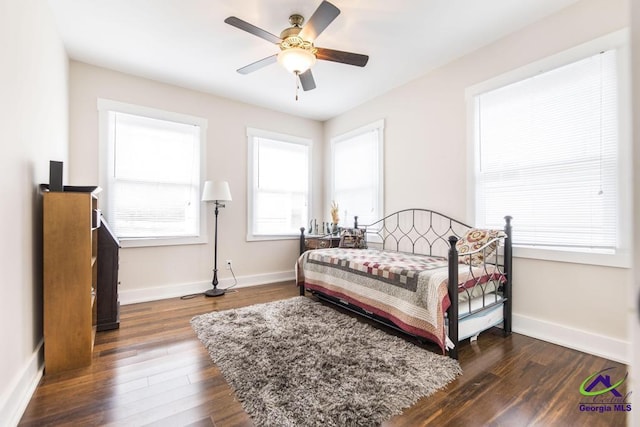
column 410, row 290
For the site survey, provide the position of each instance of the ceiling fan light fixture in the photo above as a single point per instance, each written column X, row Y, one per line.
column 296, row 60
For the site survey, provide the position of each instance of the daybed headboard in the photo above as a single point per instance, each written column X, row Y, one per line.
column 420, row 231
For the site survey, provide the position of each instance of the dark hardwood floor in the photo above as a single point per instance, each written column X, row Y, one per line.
column 154, row 371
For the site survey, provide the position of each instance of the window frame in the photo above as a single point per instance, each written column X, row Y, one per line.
column 376, row 125
column 253, row 133
column 619, row 41
column 105, row 164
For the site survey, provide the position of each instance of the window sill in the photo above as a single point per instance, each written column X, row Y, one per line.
column 251, row 238
column 620, row 259
column 153, row 242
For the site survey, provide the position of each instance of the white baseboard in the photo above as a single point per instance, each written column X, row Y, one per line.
column 576, row 339
column 17, row 395
column 133, row 296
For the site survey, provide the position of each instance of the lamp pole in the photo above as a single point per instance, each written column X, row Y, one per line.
column 216, row 192
column 215, row 292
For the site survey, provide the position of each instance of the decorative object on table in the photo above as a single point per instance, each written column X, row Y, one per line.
column 335, row 215
column 353, row 238
column 217, row 192
column 55, row 175
column 339, row 372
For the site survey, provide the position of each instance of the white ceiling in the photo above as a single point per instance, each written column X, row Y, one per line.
column 186, row 43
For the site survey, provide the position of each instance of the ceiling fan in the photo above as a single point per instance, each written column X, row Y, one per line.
column 297, row 51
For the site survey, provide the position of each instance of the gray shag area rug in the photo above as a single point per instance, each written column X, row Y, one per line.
column 297, row 362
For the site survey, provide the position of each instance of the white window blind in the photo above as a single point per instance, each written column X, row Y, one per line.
column 154, row 180
column 547, row 155
column 357, row 175
column 279, row 189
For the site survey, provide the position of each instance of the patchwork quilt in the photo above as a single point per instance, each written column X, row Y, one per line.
column 408, row 289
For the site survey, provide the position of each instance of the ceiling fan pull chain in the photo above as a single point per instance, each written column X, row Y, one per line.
column 297, row 77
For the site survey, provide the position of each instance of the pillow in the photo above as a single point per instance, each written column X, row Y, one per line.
column 353, row 238
column 473, row 240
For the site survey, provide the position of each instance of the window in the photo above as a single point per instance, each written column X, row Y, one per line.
column 357, row 177
column 278, row 196
column 151, row 173
column 549, row 151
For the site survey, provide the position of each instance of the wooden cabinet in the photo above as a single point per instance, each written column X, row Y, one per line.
column 319, row 242
column 310, row 242
column 108, row 264
column 70, row 250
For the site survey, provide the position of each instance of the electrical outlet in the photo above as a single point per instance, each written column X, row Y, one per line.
column 229, row 264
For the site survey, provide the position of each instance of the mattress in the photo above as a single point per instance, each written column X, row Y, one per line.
column 470, row 325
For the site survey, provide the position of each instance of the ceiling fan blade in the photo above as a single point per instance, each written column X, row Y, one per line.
column 321, row 18
column 307, row 81
column 258, row 64
column 349, row 58
column 250, row 28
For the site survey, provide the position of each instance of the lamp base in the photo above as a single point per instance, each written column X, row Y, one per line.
column 214, row 292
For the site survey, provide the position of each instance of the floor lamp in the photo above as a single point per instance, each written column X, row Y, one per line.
column 217, row 192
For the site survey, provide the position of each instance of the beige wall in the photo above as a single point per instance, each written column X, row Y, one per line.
column 33, row 130
column 634, row 301
column 426, row 163
column 144, row 268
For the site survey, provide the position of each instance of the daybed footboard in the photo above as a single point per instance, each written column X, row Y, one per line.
column 478, row 288
column 502, row 275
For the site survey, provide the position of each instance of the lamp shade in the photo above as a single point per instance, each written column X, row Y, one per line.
column 216, row 191
column 296, row 60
